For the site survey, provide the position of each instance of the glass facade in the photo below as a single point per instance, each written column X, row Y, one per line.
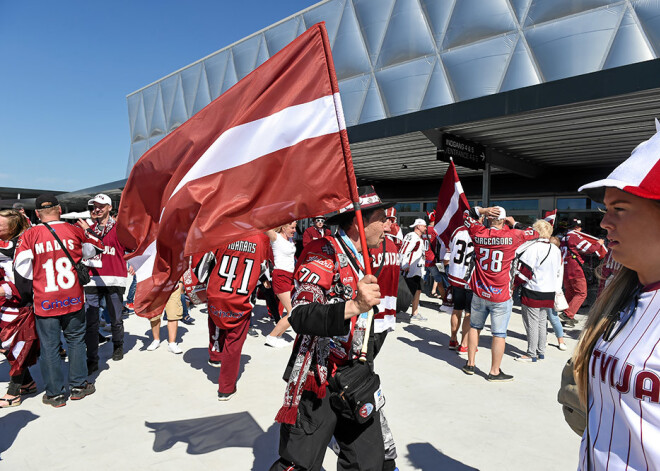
column 395, row 57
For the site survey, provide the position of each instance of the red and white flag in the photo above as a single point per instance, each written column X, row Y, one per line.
column 270, row 150
column 451, row 205
column 550, row 216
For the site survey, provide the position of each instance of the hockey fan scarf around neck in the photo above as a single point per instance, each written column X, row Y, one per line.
column 101, row 231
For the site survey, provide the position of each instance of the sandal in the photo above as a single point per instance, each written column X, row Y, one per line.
column 28, row 388
column 10, row 401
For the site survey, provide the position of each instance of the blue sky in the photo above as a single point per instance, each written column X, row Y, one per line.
column 66, row 68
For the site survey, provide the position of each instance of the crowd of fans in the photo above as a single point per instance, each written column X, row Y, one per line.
column 488, row 261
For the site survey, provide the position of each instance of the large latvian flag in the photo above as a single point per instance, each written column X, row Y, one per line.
column 550, row 216
column 270, row 150
column 451, row 205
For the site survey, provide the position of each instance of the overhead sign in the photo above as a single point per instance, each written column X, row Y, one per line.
column 465, row 153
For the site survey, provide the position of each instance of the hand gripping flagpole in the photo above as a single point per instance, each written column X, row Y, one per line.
column 367, row 271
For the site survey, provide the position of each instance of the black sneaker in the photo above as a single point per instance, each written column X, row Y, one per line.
column 500, row 378
column 215, row 363
column 468, row 370
column 82, row 391
column 103, row 339
column 92, row 367
column 55, row 401
column 226, row 396
column 118, row 353
column 252, row 332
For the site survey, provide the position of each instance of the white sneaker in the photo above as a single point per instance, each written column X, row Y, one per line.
column 174, row 348
column 153, row 345
column 276, row 342
column 562, row 347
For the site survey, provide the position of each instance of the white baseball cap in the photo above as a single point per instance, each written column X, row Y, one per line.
column 100, row 199
column 418, row 222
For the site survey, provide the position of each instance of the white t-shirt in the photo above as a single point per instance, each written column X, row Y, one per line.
column 284, row 252
column 624, row 393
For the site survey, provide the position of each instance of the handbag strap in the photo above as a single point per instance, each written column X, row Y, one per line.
column 73, row 264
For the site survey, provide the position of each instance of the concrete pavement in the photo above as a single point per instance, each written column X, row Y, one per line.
column 160, row 410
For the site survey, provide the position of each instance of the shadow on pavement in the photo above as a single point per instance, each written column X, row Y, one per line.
column 265, row 448
column 198, row 358
column 425, row 457
column 10, row 425
column 207, row 434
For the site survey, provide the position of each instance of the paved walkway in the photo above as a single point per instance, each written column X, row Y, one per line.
column 160, row 410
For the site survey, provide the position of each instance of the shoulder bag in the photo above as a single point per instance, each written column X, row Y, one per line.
column 81, row 270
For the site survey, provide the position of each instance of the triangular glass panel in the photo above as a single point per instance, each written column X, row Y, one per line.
column 438, row 92
column 215, row 72
column 474, row 20
column 230, row 74
column 540, row 12
column 330, row 12
column 574, row 46
column 477, row 70
column 647, row 12
column 408, row 36
column 133, row 102
column 140, row 126
column 438, row 13
column 520, row 7
column 149, row 95
column 203, row 96
column 245, row 55
column 301, row 27
column 139, row 148
column 263, row 54
column 178, row 114
column 157, row 122
column 280, row 35
column 629, row 45
column 190, row 81
column 373, row 18
column 521, row 71
column 402, row 87
column 168, row 89
column 153, row 140
column 352, row 92
column 373, row 108
column 131, row 162
column 349, row 51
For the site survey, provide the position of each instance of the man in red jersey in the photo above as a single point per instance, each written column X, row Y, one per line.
column 394, row 232
column 315, row 231
column 494, row 251
column 233, row 272
column 46, row 277
column 574, row 245
column 108, row 272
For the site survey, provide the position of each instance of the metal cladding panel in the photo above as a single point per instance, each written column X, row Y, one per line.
column 400, row 56
column 474, row 20
column 477, row 70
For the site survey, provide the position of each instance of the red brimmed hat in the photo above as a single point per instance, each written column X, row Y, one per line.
column 639, row 175
column 369, row 200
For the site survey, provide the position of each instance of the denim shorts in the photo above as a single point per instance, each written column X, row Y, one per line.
column 500, row 313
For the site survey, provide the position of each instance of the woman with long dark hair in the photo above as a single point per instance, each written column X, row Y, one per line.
column 617, row 360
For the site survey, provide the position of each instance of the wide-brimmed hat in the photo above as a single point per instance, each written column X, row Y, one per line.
column 369, row 200
column 638, row 175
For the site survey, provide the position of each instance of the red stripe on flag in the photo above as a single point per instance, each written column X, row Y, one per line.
column 451, row 205
column 211, row 181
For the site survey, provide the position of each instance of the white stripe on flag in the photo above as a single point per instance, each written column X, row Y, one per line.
column 388, row 302
column 17, row 348
column 144, row 264
column 247, row 142
column 442, row 225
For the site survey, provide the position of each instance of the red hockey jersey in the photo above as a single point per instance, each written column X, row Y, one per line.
column 388, row 281
column 312, row 233
column 573, row 246
column 108, row 268
column 494, row 250
column 233, row 273
column 39, row 259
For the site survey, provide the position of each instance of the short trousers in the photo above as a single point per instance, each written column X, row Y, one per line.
column 173, row 308
column 500, row 313
column 414, row 284
column 462, row 299
column 435, row 273
column 282, row 281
